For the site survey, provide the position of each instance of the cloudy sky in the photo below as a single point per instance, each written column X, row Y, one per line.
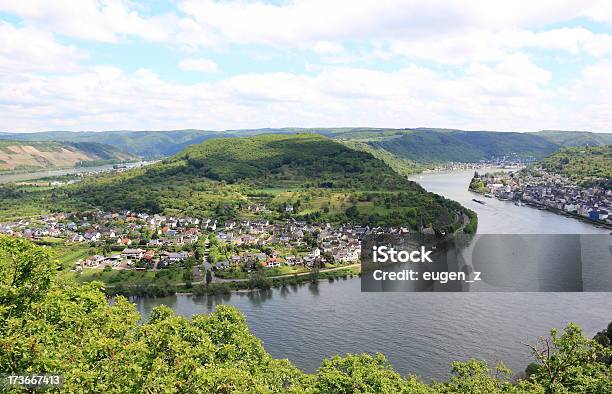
column 126, row 64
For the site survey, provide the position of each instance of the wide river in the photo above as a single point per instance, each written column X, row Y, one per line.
column 420, row 333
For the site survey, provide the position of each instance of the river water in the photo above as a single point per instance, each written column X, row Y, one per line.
column 420, row 333
column 28, row 176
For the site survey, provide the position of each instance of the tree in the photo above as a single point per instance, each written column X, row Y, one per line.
column 363, row 374
column 188, row 275
column 209, row 277
column 570, row 363
column 26, row 272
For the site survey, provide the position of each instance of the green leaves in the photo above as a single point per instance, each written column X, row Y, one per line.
column 26, row 272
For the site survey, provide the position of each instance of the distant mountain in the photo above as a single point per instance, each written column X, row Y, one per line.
column 430, row 146
column 576, row 138
column 418, row 145
column 36, row 155
column 148, row 144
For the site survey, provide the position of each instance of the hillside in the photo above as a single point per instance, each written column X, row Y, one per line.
column 147, row 144
column 576, row 138
column 420, row 145
column 429, row 146
column 584, row 165
column 278, row 160
column 35, row 155
column 410, row 146
column 321, row 179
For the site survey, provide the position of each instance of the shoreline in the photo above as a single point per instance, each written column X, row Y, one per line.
column 233, row 286
column 596, row 223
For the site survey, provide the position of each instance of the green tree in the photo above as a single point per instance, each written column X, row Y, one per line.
column 25, row 274
column 363, row 374
column 570, row 363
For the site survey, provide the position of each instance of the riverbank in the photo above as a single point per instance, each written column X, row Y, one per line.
column 596, row 223
column 254, row 283
column 19, row 176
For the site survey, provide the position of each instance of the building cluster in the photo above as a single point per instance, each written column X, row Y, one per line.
column 552, row 191
column 507, row 162
column 132, row 240
column 139, row 240
column 317, row 243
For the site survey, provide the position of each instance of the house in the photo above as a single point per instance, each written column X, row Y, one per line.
column 114, row 260
column 222, row 264
column 172, row 257
column 132, row 254
column 271, row 263
column 92, row 261
column 92, row 236
column 148, row 255
column 76, row 238
column 124, row 241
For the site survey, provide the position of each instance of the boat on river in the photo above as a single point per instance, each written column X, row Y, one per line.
column 479, row 201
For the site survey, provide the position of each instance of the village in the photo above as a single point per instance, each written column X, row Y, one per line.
column 551, row 191
column 143, row 242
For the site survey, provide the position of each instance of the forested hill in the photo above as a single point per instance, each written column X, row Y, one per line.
column 278, row 159
column 319, row 178
column 584, row 165
column 36, row 155
column 148, row 144
column 462, row 146
column 576, row 138
column 420, row 145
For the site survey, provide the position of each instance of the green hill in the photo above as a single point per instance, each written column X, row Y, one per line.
column 37, row 155
column 576, row 138
column 321, row 179
column 583, row 165
column 417, row 145
column 427, row 146
column 278, row 160
column 148, row 144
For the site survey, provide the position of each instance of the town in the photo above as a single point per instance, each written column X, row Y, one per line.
column 546, row 190
column 141, row 242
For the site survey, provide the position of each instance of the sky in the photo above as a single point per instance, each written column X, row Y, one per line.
column 216, row 65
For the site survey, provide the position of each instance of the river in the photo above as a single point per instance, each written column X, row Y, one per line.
column 28, row 176
column 420, row 333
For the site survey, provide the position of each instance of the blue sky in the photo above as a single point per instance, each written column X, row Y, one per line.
column 120, row 64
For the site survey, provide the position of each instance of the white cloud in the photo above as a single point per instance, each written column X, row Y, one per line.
column 328, row 47
column 493, row 84
column 515, row 94
column 30, row 50
column 456, row 32
column 202, row 65
column 306, row 22
column 100, row 20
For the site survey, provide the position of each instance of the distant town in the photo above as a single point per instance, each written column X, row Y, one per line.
column 504, row 162
column 546, row 190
